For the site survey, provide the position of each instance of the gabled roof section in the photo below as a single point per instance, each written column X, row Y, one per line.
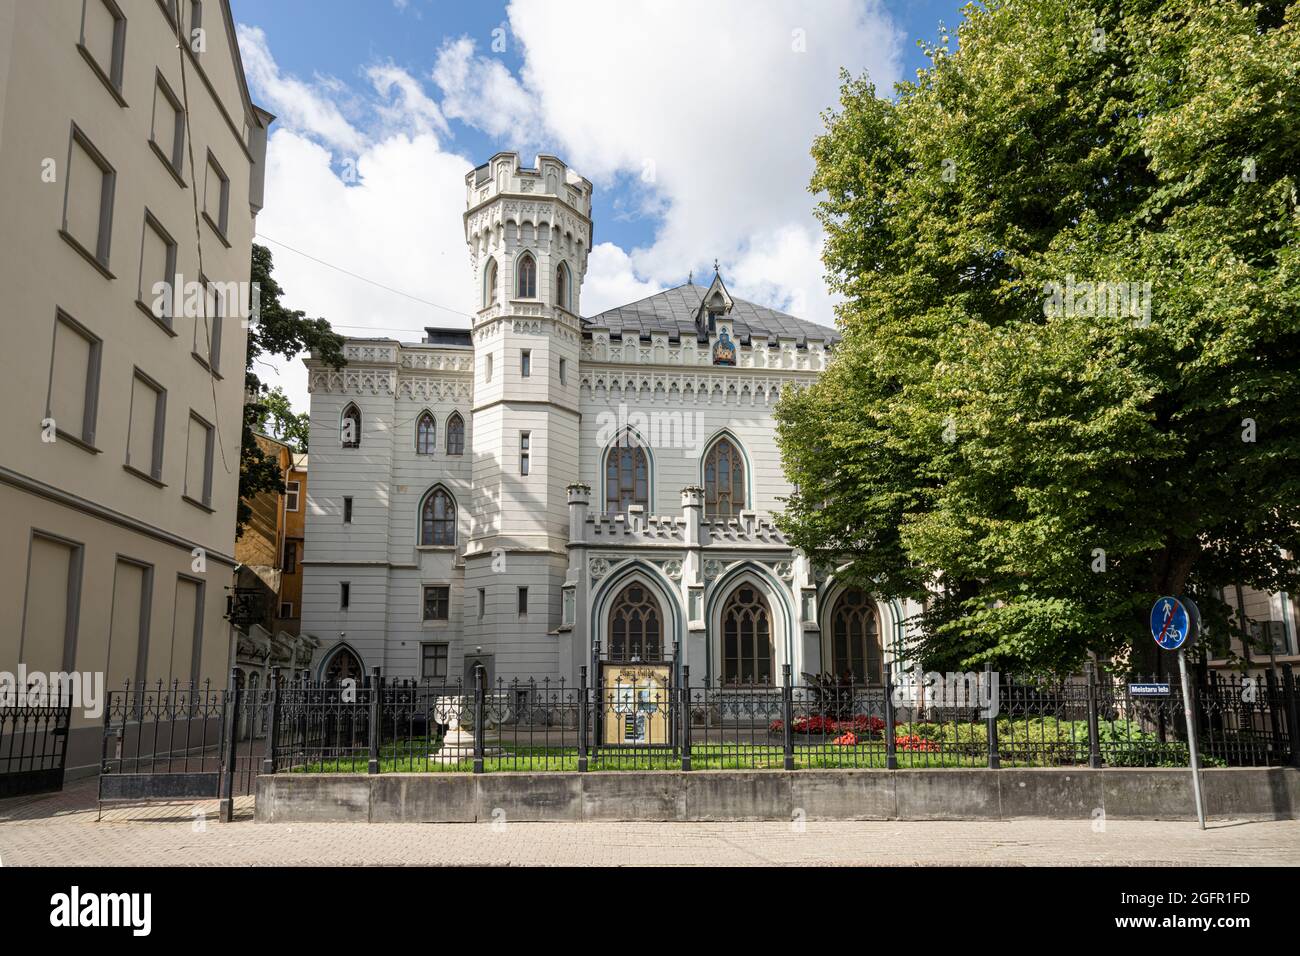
column 677, row 311
column 717, row 301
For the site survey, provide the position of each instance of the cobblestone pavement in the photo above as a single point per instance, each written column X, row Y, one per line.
column 60, row 829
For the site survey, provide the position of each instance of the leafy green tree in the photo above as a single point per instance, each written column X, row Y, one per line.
column 1036, row 457
column 280, row 421
column 286, row 332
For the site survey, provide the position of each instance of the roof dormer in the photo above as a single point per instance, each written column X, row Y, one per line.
column 717, row 301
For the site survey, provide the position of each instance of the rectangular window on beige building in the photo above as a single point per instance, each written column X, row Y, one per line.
column 144, row 443
column 103, row 42
column 198, row 462
column 157, row 264
column 88, row 200
column 216, row 196
column 167, row 136
column 187, row 629
column 74, row 381
column 207, row 327
column 50, row 607
column 128, row 636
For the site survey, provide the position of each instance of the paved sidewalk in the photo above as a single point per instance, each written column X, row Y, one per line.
column 60, row 829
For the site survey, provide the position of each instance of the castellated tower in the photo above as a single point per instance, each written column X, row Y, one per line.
column 529, row 232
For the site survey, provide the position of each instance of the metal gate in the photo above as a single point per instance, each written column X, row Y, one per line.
column 178, row 742
column 33, row 748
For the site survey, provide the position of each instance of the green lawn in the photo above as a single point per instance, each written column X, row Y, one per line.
column 413, row 757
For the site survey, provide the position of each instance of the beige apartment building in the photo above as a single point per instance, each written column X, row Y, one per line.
column 130, row 153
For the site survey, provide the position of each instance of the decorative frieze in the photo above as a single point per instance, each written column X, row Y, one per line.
column 685, row 387
column 453, row 362
column 434, row 390
column 353, row 381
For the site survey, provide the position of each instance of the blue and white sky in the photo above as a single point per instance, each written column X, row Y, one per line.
column 692, row 118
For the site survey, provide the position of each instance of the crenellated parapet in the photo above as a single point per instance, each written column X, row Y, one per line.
column 511, row 210
column 749, row 528
column 687, row 530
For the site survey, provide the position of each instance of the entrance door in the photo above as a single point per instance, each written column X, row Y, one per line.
column 488, row 663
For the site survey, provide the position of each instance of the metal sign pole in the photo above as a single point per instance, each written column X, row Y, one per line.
column 1191, row 736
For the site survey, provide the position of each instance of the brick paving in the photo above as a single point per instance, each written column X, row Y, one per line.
column 60, row 829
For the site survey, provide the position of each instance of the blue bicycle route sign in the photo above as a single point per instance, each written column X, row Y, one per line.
column 1171, row 622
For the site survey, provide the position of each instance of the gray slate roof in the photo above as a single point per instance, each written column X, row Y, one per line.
column 673, row 311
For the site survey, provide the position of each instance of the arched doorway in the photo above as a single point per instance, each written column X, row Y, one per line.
column 636, row 626
column 342, row 665
column 855, row 639
column 746, row 637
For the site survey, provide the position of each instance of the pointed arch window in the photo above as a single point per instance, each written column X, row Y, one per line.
column 438, row 519
column 627, row 476
column 426, row 434
column 562, row 287
column 490, row 283
column 455, row 434
column 350, row 427
column 724, row 480
column 855, row 639
column 635, row 626
column 526, row 286
column 746, row 638
column 342, row 665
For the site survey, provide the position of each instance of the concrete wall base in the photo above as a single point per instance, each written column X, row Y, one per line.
column 1271, row 793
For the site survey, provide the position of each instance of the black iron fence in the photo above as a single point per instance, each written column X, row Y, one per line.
column 215, row 742
column 33, row 745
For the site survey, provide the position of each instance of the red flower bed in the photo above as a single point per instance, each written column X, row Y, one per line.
column 818, row 725
column 916, row 743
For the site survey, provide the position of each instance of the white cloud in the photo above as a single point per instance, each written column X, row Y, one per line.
column 296, row 103
column 612, row 280
column 409, row 107
column 398, row 225
column 717, row 101
column 482, row 92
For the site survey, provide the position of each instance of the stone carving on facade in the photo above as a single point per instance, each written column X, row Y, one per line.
column 368, row 353
column 673, row 569
column 712, row 568
column 351, row 381
column 599, row 567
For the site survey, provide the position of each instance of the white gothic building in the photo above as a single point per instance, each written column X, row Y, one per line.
column 545, row 489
